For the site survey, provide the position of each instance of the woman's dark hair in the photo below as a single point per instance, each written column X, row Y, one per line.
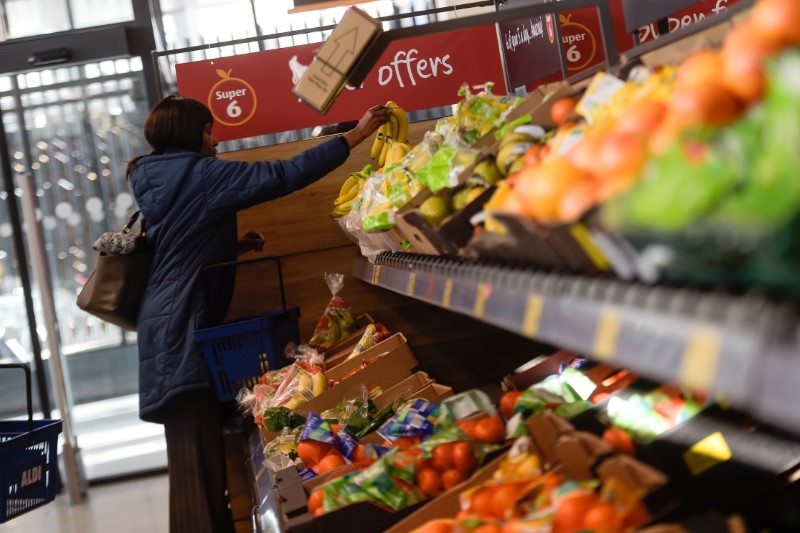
column 175, row 122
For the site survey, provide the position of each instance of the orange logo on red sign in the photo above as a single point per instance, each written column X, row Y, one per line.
column 232, row 101
column 579, row 43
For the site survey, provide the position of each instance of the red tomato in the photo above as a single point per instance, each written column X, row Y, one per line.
column 508, row 402
column 489, row 430
column 463, row 457
column 443, row 457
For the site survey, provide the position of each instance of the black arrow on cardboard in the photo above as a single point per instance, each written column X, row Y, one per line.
column 345, row 45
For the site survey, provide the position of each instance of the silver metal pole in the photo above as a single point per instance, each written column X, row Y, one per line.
column 73, row 466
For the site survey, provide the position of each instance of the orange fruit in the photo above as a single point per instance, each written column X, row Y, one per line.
column 504, row 500
column 329, row 462
column 710, row 104
column 562, row 110
column 621, row 155
column 743, row 57
column 619, row 440
column 603, row 517
column 429, row 482
column 437, row 526
column 584, row 153
column 359, row 454
column 312, row 452
column 405, row 443
column 642, row 117
column 443, row 457
column 533, row 155
column 779, row 19
column 542, row 188
column 698, row 69
column 571, row 510
column 451, row 478
column 481, row 502
column 315, row 500
column 463, row 457
column 577, row 201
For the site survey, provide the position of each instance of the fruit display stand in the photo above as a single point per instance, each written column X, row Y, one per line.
column 741, row 348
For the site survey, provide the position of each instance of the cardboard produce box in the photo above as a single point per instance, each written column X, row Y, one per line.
column 417, row 385
column 327, row 74
column 396, row 363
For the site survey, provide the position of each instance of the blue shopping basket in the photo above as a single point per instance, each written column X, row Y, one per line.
column 28, row 467
column 240, row 352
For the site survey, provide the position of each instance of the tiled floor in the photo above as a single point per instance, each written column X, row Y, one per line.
column 132, row 506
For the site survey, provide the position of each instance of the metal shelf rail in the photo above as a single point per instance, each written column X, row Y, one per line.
column 735, row 347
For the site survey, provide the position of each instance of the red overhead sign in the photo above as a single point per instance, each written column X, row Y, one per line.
column 251, row 94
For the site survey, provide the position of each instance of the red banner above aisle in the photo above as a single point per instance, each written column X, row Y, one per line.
column 251, row 94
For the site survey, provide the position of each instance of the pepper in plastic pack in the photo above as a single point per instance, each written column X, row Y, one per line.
column 337, row 320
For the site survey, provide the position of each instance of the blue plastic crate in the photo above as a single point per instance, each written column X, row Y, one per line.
column 27, row 465
column 239, row 353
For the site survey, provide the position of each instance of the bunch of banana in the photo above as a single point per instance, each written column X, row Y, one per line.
column 397, row 151
column 351, row 189
column 396, row 129
column 513, row 146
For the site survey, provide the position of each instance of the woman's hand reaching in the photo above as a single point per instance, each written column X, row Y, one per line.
column 373, row 119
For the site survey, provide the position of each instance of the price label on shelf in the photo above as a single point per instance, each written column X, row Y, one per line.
column 483, row 293
column 533, row 315
column 605, row 340
column 701, row 359
column 447, row 293
column 376, row 274
column 412, row 279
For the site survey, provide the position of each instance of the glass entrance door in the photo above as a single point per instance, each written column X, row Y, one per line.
column 74, row 129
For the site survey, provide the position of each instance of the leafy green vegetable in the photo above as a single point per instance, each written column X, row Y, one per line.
column 277, row 418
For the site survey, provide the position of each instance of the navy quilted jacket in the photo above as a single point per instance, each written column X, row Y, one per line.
column 189, row 204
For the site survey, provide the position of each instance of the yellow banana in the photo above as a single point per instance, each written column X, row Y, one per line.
column 384, row 152
column 419, row 161
column 393, row 126
column 349, row 183
column 320, row 383
column 402, row 121
column 347, row 197
column 380, row 139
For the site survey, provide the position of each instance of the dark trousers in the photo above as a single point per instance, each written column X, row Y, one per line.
column 196, row 461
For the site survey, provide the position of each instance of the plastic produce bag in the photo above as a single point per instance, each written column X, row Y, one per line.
column 302, row 383
column 446, row 166
column 384, row 194
column 337, row 321
column 478, row 113
column 281, row 451
column 373, row 334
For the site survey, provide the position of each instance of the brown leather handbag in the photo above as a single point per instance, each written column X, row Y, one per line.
column 115, row 287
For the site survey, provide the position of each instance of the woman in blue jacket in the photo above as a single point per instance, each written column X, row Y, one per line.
column 189, row 200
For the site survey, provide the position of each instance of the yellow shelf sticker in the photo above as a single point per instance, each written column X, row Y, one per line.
column 707, row 453
column 701, row 359
column 412, row 279
column 483, row 292
column 533, row 314
column 448, row 292
column 585, row 240
column 260, row 472
column 376, row 274
column 605, row 340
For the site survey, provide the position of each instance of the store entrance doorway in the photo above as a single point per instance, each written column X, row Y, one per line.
column 73, row 129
